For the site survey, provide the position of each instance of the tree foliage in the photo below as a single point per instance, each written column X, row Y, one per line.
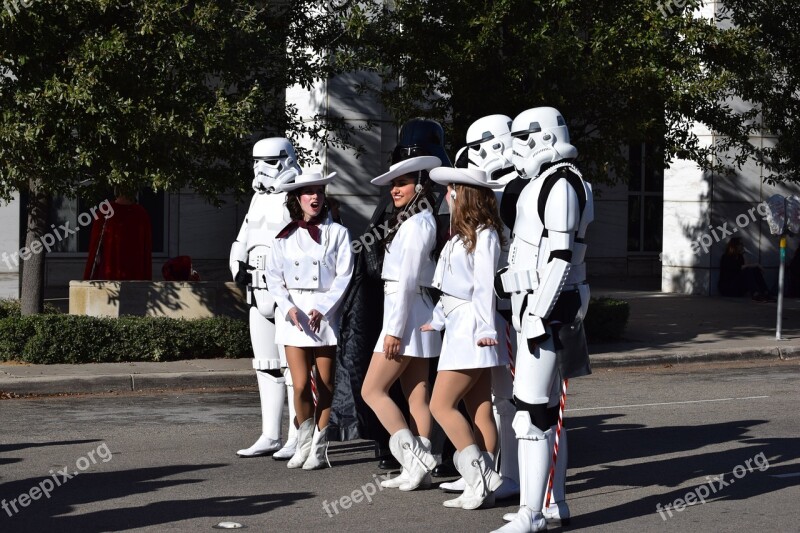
column 97, row 94
column 771, row 79
column 163, row 93
column 620, row 71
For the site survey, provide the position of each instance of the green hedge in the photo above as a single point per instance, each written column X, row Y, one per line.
column 606, row 319
column 46, row 339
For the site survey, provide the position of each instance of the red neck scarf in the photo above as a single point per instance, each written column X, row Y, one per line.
column 312, row 226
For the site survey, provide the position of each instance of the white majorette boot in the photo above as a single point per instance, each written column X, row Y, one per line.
column 286, row 453
column 318, row 457
column 558, row 510
column 304, row 435
column 272, row 394
column 397, row 481
column 454, row 486
column 413, row 453
column 477, row 469
column 534, row 469
column 504, row 412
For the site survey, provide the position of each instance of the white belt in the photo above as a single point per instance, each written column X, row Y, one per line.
column 451, row 303
column 391, row 287
column 305, row 291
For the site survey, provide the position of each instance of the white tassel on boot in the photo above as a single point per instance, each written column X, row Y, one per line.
column 286, row 453
column 304, row 435
column 477, row 469
column 413, row 453
column 318, row 457
column 272, row 394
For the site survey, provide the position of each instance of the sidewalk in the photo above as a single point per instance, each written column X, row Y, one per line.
column 663, row 329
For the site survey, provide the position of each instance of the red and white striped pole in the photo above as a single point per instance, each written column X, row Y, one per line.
column 561, row 406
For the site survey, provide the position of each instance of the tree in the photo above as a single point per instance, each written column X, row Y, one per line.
column 771, row 80
column 620, row 71
column 159, row 93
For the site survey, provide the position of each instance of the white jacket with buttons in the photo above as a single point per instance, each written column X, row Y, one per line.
column 298, row 262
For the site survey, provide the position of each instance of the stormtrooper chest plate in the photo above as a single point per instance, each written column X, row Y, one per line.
column 266, row 217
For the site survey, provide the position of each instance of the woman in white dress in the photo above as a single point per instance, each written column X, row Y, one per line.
column 403, row 350
column 466, row 311
column 308, row 270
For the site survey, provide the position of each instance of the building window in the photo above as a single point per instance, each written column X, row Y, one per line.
column 645, row 198
column 66, row 210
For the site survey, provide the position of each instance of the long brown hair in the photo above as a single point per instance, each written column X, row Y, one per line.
column 475, row 208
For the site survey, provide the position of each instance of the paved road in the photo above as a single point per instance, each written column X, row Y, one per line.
column 639, row 438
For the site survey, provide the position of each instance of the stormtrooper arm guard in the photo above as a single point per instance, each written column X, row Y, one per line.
column 542, row 300
column 238, row 256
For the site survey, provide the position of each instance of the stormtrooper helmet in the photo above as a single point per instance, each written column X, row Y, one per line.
column 488, row 147
column 274, row 164
column 539, row 136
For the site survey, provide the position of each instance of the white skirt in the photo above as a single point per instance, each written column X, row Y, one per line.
column 415, row 343
column 287, row 334
column 459, row 349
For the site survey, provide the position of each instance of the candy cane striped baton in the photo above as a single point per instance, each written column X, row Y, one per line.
column 560, row 424
column 510, row 348
column 314, row 394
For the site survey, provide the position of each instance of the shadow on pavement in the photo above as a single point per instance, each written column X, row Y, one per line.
column 86, row 488
column 593, row 441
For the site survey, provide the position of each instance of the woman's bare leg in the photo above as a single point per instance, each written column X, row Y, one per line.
column 479, row 406
column 382, row 373
column 300, row 361
column 416, row 388
column 451, row 386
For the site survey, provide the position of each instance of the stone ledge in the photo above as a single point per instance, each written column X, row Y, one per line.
column 174, row 299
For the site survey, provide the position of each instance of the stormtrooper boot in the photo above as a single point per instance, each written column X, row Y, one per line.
column 534, row 469
column 318, row 456
column 558, row 510
column 413, row 453
column 477, row 469
column 286, row 453
column 273, row 395
column 504, row 412
column 305, row 434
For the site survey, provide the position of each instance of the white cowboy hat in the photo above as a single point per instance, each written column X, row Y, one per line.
column 465, row 176
column 407, row 166
column 307, row 180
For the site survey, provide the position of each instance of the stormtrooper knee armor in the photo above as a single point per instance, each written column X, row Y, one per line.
column 275, row 164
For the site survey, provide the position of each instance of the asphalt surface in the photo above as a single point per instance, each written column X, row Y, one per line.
column 639, row 438
column 663, row 329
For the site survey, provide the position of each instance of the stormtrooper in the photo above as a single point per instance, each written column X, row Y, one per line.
column 546, row 281
column 274, row 164
column 488, row 148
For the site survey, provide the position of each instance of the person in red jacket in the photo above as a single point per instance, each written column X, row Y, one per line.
column 120, row 247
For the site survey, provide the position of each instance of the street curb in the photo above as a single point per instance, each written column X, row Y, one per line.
column 662, row 359
column 126, row 382
column 47, row 385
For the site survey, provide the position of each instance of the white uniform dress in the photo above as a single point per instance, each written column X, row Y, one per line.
column 309, row 275
column 466, row 309
column 407, row 266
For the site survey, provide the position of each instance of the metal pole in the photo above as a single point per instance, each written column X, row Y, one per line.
column 780, row 287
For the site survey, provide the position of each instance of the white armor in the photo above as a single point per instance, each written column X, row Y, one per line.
column 546, row 258
column 275, row 164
